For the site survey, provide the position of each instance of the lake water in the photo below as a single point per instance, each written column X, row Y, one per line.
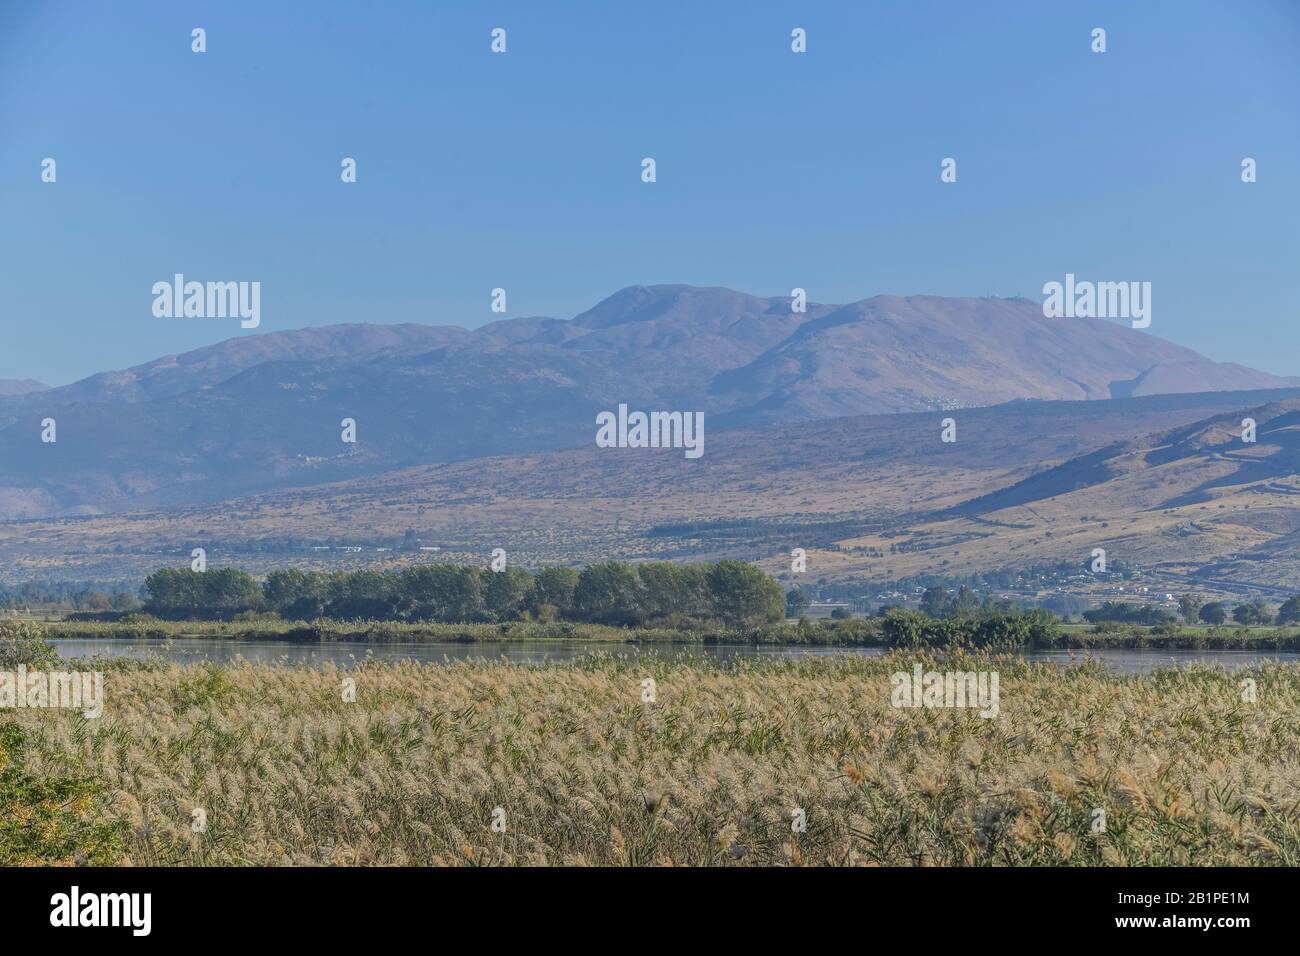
column 192, row 650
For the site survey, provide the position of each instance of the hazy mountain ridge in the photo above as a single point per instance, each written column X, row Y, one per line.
column 9, row 386
column 263, row 411
column 926, row 352
column 173, row 375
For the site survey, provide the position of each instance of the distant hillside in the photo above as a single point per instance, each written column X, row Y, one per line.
column 202, row 368
column 25, row 386
column 921, row 352
column 1195, row 462
column 1156, row 480
column 1193, row 503
column 263, row 411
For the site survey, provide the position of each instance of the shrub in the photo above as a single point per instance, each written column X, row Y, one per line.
column 903, row 628
column 49, row 819
column 24, row 642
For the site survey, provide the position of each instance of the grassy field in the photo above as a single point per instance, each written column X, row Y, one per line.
column 585, row 772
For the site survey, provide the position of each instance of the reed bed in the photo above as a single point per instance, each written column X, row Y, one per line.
column 712, row 772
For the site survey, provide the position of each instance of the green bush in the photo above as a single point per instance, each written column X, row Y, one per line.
column 994, row 630
column 903, row 628
column 24, row 642
column 50, row 820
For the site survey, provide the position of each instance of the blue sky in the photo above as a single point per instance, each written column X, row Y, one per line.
column 522, row 170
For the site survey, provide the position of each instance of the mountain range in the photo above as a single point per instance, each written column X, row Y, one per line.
column 9, row 386
column 263, row 412
column 1163, row 483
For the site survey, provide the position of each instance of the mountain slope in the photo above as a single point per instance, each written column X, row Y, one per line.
column 174, row 375
column 926, row 352
column 264, row 411
column 1193, row 503
column 1195, row 462
column 9, row 387
column 880, row 497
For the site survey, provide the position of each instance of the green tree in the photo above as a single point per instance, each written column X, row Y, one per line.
column 182, row 593
column 506, row 593
column 1262, row 613
column 1127, row 613
column 228, row 591
column 1189, row 606
column 660, row 589
column 671, row 590
column 362, row 595
column 966, row 601
column 282, row 587
column 443, row 592
column 173, row 592
column 1005, row 630
column 1256, row 612
column 295, row 594
column 796, row 602
column 554, row 588
column 1289, row 612
column 1214, row 613
column 695, row 599
column 742, row 594
column 609, row 593
column 936, row 601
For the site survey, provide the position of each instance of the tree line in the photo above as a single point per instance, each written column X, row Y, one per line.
column 1192, row 609
column 992, row 629
column 611, row 592
column 78, row 595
